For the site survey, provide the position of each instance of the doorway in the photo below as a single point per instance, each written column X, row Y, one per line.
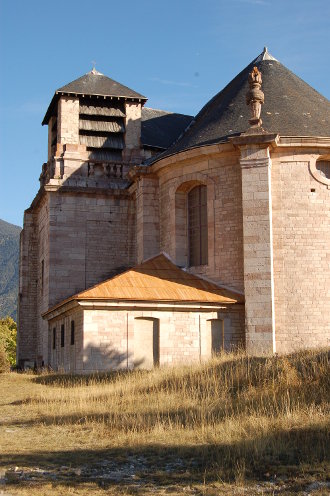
column 146, row 342
column 216, row 336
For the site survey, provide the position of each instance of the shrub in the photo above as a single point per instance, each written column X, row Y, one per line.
column 8, row 331
column 4, row 362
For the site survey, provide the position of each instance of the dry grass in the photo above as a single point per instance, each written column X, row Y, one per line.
column 206, row 429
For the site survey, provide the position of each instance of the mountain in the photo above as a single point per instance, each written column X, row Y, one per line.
column 9, row 255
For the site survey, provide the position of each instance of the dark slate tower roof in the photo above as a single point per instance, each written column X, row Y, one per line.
column 159, row 129
column 291, row 108
column 96, row 84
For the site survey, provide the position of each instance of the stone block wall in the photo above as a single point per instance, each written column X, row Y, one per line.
column 68, row 120
column 27, row 297
column 69, row 357
column 71, row 242
column 92, row 238
column 147, row 218
column 34, row 286
column 132, row 151
column 258, row 249
column 301, row 221
column 234, row 327
column 108, row 336
column 42, row 276
column 222, row 176
column 106, row 341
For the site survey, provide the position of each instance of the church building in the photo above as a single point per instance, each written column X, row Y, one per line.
column 159, row 238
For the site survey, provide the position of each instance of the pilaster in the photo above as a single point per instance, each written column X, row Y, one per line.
column 147, row 217
column 132, row 150
column 255, row 164
column 68, row 120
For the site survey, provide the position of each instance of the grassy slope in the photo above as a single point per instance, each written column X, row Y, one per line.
column 9, row 254
column 210, row 429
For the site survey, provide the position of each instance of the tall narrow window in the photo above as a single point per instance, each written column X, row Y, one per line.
column 197, row 226
column 54, row 338
column 42, row 273
column 72, row 332
column 62, row 336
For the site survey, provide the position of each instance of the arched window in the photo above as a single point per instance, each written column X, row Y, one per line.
column 320, row 170
column 323, row 168
column 197, row 226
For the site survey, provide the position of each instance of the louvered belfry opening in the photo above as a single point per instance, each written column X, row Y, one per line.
column 102, row 128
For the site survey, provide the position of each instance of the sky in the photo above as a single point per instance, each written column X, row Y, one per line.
column 178, row 53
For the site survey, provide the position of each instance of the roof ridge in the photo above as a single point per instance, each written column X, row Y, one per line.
column 159, row 110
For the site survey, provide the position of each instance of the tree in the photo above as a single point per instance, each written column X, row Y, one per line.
column 8, row 332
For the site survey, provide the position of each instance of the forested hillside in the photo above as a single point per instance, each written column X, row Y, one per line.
column 9, row 253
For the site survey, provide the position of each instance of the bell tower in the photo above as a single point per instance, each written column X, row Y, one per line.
column 94, row 132
column 80, row 228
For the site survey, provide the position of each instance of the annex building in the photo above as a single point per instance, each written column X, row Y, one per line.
column 157, row 238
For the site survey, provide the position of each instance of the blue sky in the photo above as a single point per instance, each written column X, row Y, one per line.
column 178, row 53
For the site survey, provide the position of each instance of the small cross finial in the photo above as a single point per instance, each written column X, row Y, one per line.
column 94, row 71
column 265, row 49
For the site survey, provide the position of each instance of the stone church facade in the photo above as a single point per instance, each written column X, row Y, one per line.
column 159, row 238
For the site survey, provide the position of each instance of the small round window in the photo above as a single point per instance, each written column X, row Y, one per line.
column 323, row 168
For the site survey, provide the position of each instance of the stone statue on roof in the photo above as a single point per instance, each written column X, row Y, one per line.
column 255, row 97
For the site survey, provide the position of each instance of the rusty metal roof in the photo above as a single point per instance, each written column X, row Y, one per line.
column 157, row 280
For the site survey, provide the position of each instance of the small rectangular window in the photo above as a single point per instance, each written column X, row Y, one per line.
column 62, row 336
column 72, row 332
column 54, row 338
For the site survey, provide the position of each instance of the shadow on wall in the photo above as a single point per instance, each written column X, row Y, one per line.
column 101, row 363
column 106, row 358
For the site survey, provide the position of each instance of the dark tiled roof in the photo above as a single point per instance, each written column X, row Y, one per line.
column 93, row 83
column 291, row 108
column 160, row 129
